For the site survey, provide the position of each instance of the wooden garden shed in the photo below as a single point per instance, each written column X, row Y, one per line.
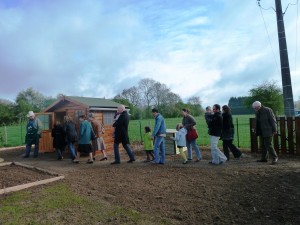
column 103, row 109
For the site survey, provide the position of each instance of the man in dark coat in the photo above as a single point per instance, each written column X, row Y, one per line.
column 265, row 128
column 215, row 123
column 121, row 135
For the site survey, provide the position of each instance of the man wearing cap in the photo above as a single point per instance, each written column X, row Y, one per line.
column 33, row 134
column 265, row 128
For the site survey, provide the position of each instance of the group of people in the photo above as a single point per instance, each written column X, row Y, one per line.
column 89, row 137
column 220, row 127
column 219, row 123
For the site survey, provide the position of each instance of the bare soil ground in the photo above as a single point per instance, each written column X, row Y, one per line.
column 237, row 192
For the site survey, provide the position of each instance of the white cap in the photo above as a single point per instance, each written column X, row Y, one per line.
column 30, row 114
column 256, row 104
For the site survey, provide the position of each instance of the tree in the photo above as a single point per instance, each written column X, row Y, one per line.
column 238, row 107
column 30, row 99
column 146, row 88
column 7, row 113
column 269, row 94
column 133, row 95
column 195, row 107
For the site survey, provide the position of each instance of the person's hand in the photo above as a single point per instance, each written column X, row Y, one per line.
column 152, row 138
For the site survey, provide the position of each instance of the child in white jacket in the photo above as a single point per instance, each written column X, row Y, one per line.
column 180, row 138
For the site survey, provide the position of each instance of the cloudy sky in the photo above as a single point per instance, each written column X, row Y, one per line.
column 214, row 49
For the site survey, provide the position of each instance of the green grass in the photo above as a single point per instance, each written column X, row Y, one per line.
column 14, row 135
column 241, row 123
column 58, row 204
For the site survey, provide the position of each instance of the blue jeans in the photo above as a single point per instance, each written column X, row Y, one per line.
column 127, row 149
column 28, row 149
column 72, row 151
column 193, row 144
column 159, row 150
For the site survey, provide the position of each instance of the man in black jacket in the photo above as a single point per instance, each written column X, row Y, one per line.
column 121, row 135
column 215, row 123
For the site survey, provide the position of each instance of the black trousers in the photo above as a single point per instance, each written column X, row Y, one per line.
column 227, row 144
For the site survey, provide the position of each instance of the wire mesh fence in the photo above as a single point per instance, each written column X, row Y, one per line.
column 14, row 135
column 241, row 124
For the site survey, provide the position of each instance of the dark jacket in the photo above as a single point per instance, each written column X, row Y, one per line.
column 215, row 123
column 188, row 122
column 121, row 128
column 58, row 135
column 265, row 122
column 71, row 134
column 227, row 128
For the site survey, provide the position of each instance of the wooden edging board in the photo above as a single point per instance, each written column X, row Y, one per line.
column 32, row 184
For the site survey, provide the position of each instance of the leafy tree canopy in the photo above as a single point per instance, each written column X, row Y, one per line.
column 269, row 94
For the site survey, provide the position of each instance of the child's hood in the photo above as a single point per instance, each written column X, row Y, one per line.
column 183, row 131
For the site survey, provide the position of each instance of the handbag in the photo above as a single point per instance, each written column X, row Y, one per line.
column 191, row 134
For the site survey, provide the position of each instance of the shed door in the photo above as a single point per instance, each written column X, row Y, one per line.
column 47, row 120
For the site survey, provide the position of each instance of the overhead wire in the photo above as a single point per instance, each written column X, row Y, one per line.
column 260, row 7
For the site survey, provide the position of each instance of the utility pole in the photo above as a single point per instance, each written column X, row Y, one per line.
column 289, row 109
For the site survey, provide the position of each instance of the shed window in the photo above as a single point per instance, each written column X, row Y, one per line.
column 108, row 118
column 46, row 121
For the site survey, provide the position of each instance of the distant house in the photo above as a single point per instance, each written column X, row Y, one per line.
column 103, row 109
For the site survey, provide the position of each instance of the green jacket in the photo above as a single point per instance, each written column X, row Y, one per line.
column 148, row 143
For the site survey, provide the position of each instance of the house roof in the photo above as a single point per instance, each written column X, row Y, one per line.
column 86, row 102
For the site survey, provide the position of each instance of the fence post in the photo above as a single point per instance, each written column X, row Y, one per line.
column 238, row 133
column 5, row 134
column 253, row 137
column 297, row 130
column 141, row 131
column 282, row 136
column 291, row 148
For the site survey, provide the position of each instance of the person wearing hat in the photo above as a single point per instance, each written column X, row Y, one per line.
column 265, row 128
column 33, row 133
column 98, row 143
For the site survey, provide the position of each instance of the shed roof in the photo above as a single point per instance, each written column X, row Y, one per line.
column 86, row 102
column 95, row 102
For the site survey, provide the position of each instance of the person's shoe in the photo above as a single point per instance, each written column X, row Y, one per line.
column 90, row 162
column 275, row 161
column 190, row 159
column 131, row 161
column 262, row 160
column 115, row 162
column 197, row 160
column 104, row 158
column 25, row 156
column 94, row 158
column 184, row 162
column 221, row 162
column 75, row 161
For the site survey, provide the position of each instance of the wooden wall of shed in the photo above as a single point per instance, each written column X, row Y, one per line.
column 108, row 131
